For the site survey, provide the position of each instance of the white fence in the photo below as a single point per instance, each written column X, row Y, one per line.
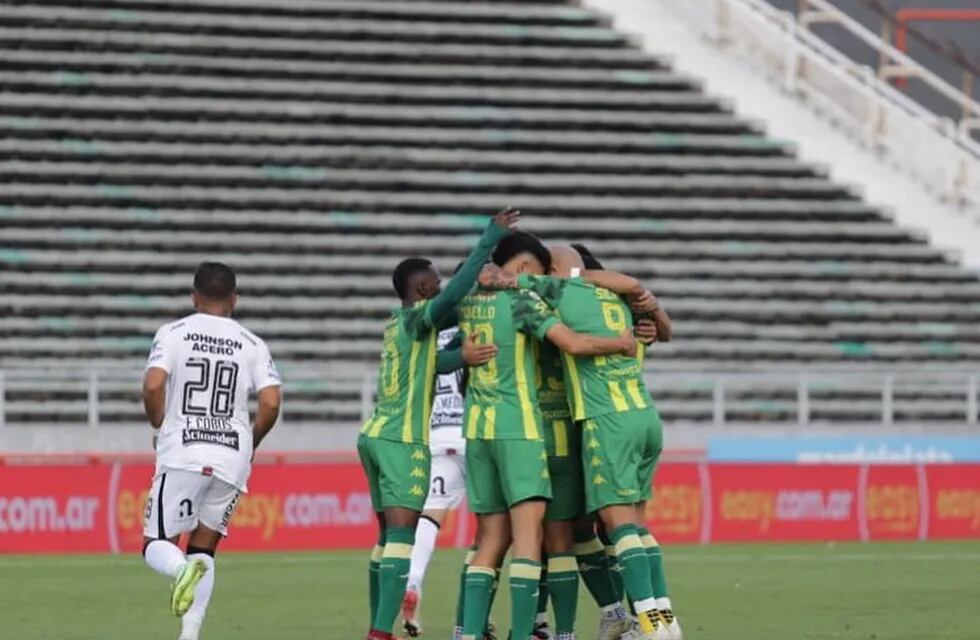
column 345, row 395
column 940, row 152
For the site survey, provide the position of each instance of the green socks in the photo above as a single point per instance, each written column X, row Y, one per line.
column 563, row 586
column 594, row 569
column 479, row 587
column 542, row 614
column 461, row 594
column 524, row 577
column 393, row 576
column 615, row 569
column 632, row 557
column 656, row 559
column 374, row 576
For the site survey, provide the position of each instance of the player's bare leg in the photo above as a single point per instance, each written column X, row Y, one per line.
column 426, row 533
column 393, row 570
column 563, row 579
column 494, row 538
column 620, row 521
column 201, row 547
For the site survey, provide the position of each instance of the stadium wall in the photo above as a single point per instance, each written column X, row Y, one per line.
column 98, row 506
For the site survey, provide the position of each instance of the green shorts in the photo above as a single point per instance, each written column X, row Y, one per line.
column 567, row 488
column 619, row 455
column 502, row 473
column 397, row 472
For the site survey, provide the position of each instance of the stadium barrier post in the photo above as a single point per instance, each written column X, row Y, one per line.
column 93, row 398
column 971, row 400
column 366, row 399
column 3, row 396
column 803, row 401
column 887, row 399
column 719, row 401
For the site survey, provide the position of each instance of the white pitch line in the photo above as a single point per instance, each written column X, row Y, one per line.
column 258, row 558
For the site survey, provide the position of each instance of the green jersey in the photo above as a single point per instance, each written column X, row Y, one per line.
column 596, row 385
column 406, row 378
column 559, row 434
column 501, row 403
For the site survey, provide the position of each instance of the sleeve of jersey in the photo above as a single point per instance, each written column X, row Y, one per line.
column 161, row 354
column 461, row 284
column 450, row 357
column 532, row 315
column 547, row 288
column 264, row 371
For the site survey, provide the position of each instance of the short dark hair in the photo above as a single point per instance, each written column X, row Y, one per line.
column 520, row 242
column 405, row 270
column 589, row 260
column 214, row 280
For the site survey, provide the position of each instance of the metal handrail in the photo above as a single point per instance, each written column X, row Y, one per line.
column 889, row 120
column 721, row 385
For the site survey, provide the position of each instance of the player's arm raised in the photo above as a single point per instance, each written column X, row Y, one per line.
column 444, row 305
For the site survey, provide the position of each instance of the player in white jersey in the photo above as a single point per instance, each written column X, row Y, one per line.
column 200, row 373
column 448, row 485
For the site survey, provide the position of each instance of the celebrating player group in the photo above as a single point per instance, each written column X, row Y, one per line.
column 554, row 446
column 555, row 443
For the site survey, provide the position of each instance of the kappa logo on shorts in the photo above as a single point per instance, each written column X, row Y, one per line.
column 626, row 492
column 596, row 461
column 593, row 444
column 417, row 491
column 417, row 472
column 598, row 479
column 418, row 454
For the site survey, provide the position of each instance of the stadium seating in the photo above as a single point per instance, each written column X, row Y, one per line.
column 313, row 144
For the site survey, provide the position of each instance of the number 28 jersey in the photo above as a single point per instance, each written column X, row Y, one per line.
column 213, row 364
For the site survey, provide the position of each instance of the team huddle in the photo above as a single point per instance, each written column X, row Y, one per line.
column 518, row 386
column 527, row 372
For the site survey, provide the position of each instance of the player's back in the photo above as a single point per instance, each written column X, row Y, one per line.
column 406, row 378
column 501, row 399
column 214, row 364
column 600, row 384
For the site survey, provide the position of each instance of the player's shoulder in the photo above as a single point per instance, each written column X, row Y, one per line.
column 170, row 329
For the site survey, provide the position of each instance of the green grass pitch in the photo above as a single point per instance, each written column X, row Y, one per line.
column 886, row 591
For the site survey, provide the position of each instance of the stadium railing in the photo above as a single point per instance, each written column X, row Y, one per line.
column 344, row 394
column 940, row 152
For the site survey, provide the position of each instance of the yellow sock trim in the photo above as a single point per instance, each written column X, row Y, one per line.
column 527, row 571
column 398, row 550
column 649, row 541
column 376, row 553
column 484, row 570
column 562, row 563
column 611, row 551
column 469, row 557
column 632, row 541
column 588, row 548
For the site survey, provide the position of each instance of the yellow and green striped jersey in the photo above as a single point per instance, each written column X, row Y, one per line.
column 595, row 385
column 561, row 436
column 406, row 378
column 501, row 395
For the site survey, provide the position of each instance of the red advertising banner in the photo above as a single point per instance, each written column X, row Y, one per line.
column 783, row 502
column 90, row 507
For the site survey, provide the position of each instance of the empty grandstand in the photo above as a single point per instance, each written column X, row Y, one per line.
column 314, row 144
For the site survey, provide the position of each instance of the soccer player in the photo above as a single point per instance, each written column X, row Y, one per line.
column 507, row 478
column 662, row 330
column 200, row 373
column 393, row 445
column 448, row 485
column 622, row 433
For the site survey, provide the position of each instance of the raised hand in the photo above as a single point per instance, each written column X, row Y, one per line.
column 476, row 354
column 493, row 277
column 645, row 331
column 507, row 218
